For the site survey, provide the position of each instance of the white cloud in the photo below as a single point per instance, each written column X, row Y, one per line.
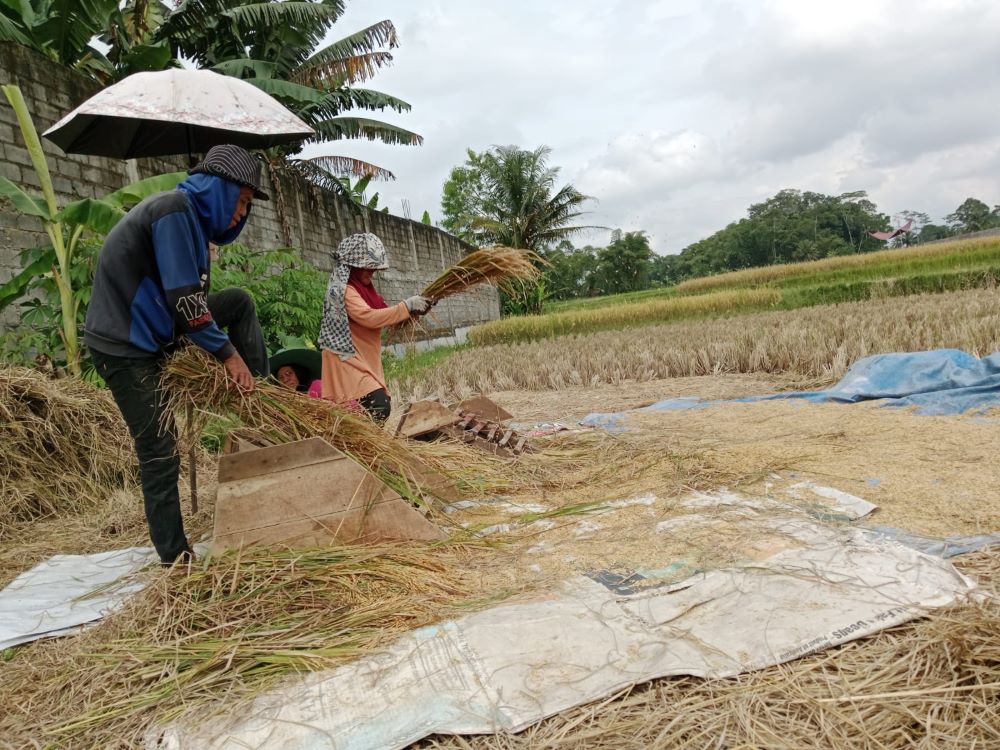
column 677, row 114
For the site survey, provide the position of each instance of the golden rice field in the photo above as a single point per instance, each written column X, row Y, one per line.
column 893, row 261
column 531, row 327
column 818, row 342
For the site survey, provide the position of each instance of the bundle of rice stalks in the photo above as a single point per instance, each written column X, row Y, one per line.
column 499, row 266
column 197, row 643
column 64, row 445
column 281, row 415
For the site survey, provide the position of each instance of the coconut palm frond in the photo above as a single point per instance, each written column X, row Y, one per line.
column 350, row 165
column 339, row 128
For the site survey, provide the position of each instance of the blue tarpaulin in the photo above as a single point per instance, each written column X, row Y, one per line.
column 938, row 382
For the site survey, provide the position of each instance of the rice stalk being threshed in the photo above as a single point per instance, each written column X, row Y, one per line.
column 281, row 415
column 499, row 266
column 63, row 447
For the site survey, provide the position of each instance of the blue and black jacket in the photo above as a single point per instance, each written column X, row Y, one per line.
column 152, row 277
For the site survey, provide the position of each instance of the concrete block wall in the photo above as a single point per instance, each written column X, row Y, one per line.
column 317, row 220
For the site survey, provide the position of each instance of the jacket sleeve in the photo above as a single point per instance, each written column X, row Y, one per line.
column 175, row 245
column 359, row 311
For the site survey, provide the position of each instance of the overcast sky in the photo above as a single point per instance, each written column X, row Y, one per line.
column 676, row 115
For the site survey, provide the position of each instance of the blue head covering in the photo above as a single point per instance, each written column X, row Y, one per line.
column 214, row 200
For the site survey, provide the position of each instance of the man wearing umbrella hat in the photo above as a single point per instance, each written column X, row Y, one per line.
column 150, row 288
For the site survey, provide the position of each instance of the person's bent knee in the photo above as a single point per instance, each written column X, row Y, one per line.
column 240, row 300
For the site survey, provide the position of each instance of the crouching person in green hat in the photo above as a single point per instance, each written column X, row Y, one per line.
column 299, row 369
column 150, row 288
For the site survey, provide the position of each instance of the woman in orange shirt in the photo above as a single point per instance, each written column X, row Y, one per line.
column 354, row 315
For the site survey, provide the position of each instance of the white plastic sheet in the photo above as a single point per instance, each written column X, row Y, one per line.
column 514, row 664
column 67, row 592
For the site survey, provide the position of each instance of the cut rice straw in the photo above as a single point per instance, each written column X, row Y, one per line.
column 563, row 469
column 282, row 415
column 232, row 627
column 498, row 266
column 65, row 447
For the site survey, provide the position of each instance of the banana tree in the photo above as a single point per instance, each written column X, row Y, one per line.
column 63, row 30
column 64, row 228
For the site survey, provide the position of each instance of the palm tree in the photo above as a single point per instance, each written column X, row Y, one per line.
column 276, row 46
column 509, row 196
column 514, row 200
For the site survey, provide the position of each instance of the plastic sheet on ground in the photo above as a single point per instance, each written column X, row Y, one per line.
column 937, row 382
column 948, row 547
column 514, row 664
column 66, row 593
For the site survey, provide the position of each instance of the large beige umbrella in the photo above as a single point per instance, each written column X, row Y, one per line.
column 176, row 111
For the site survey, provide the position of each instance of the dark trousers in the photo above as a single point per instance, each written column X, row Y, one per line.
column 377, row 404
column 135, row 384
column 234, row 311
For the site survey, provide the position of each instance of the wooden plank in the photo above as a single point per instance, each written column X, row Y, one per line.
column 423, row 417
column 390, row 517
column 314, row 491
column 485, row 408
column 245, row 464
column 474, row 440
column 242, row 439
column 313, row 504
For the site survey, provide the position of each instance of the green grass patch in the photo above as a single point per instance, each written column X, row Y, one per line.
column 901, row 286
column 589, row 303
column 412, row 363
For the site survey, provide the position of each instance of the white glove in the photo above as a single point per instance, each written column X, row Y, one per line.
column 418, row 305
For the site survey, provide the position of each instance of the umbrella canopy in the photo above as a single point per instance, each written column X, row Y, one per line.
column 175, row 111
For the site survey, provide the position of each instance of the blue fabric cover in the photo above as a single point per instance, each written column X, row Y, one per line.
column 937, row 382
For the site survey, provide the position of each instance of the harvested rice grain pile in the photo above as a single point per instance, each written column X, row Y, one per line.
column 932, row 475
column 63, row 447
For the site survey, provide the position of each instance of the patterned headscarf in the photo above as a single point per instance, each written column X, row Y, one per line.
column 357, row 251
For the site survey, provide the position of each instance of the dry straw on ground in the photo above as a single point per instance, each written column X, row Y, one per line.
column 63, row 447
column 193, row 379
column 197, row 640
column 562, row 468
column 819, row 342
column 928, row 475
column 499, row 266
column 931, row 683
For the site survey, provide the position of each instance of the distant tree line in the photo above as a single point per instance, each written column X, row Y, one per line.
column 507, row 195
column 792, row 226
